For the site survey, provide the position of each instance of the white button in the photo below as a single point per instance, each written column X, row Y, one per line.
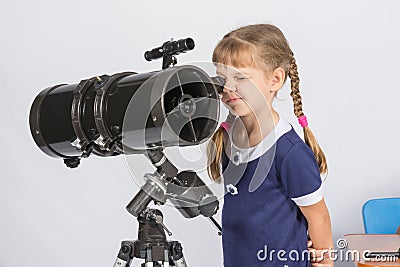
column 232, row 189
column 237, row 158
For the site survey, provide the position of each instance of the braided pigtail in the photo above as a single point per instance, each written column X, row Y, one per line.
column 309, row 138
column 214, row 150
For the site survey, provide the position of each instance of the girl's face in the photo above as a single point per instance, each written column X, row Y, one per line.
column 247, row 90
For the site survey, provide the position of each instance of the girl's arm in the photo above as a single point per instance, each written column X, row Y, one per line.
column 319, row 227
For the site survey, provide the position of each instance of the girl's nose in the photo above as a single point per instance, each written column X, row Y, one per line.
column 229, row 87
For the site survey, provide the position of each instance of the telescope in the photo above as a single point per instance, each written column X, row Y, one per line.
column 138, row 113
column 174, row 106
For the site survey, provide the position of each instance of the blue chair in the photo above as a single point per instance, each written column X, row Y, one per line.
column 381, row 216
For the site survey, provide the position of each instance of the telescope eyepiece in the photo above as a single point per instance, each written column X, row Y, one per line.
column 219, row 83
column 153, row 54
column 170, row 48
column 182, row 45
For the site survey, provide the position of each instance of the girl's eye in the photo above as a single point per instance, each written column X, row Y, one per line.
column 240, row 78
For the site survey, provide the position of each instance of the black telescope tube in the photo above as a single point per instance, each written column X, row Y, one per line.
column 51, row 123
column 126, row 113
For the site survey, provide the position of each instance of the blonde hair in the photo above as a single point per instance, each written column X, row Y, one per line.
column 262, row 46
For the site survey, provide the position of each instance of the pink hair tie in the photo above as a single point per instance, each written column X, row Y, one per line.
column 303, row 121
column 225, row 125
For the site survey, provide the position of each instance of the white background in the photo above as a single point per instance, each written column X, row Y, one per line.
column 348, row 57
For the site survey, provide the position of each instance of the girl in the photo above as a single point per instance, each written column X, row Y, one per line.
column 273, row 191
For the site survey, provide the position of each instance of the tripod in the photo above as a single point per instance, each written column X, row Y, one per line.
column 151, row 244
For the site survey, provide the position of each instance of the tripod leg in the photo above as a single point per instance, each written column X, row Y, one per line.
column 149, row 259
column 175, row 249
column 166, row 258
column 125, row 254
column 150, row 263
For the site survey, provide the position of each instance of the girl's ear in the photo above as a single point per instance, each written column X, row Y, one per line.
column 277, row 78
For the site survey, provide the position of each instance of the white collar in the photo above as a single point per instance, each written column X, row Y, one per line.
column 241, row 155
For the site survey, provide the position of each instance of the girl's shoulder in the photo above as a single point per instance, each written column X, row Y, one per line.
column 289, row 139
column 292, row 148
